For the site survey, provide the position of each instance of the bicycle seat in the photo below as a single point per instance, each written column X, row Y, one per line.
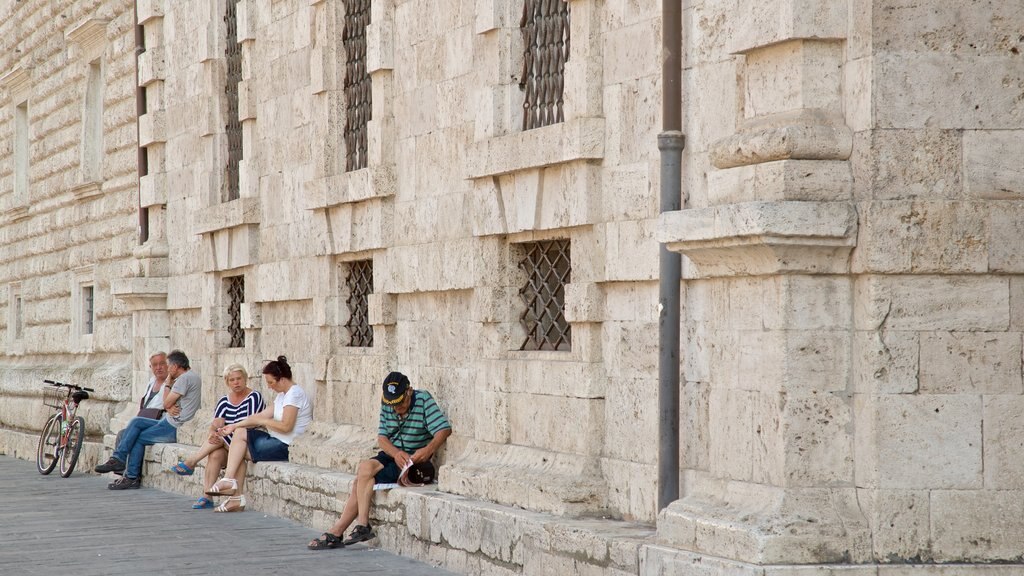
column 79, row 395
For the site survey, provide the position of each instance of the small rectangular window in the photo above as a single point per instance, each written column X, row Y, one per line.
column 359, row 283
column 545, row 30
column 233, row 56
column 88, row 315
column 235, row 287
column 92, row 124
column 21, row 153
column 547, row 269
column 19, row 315
column 358, row 87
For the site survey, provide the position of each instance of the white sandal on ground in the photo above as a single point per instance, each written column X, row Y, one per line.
column 224, row 505
column 216, row 490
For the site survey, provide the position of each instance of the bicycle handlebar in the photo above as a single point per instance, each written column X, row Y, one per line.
column 72, row 386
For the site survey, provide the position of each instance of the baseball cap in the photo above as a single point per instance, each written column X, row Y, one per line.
column 395, row 386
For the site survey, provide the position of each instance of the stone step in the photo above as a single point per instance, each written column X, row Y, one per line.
column 462, row 534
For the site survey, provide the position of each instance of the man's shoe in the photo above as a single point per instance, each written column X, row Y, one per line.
column 125, row 483
column 112, row 465
column 359, row 534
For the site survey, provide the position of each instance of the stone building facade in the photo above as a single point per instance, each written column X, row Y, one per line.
column 469, row 195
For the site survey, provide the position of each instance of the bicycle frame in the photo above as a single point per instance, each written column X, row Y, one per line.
column 68, row 407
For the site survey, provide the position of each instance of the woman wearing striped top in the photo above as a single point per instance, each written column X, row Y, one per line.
column 239, row 403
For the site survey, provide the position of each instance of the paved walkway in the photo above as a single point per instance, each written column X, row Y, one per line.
column 53, row 525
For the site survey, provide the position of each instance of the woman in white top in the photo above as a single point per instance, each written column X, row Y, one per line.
column 290, row 416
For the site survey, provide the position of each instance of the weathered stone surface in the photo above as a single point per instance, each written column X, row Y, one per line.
column 920, row 441
column 932, row 303
column 989, row 171
column 976, row 362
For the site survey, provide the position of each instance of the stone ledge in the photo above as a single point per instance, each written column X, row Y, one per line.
column 227, row 215
column 580, row 139
column 763, row 237
column 150, row 10
column 459, row 533
column 350, row 187
column 140, row 293
column 657, row 560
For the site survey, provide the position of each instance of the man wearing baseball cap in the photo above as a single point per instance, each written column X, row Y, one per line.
column 412, row 427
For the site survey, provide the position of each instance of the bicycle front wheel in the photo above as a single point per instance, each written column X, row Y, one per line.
column 73, row 446
column 47, row 451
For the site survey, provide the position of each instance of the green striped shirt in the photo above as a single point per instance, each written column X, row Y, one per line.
column 417, row 429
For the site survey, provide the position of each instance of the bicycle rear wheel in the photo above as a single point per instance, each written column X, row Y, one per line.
column 73, row 447
column 47, row 452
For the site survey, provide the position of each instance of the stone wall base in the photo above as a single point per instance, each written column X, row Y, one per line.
column 662, row 561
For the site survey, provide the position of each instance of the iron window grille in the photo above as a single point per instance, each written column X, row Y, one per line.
column 233, row 55
column 547, row 267
column 358, row 89
column 360, row 284
column 88, row 294
column 236, row 297
column 545, row 30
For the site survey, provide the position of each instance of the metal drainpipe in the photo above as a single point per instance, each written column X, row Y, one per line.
column 670, row 143
column 140, row 95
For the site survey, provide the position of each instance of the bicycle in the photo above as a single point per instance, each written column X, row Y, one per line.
column 64, row 432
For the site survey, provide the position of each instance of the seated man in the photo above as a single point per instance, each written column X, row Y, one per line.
column 412, row 427
column 181, row 403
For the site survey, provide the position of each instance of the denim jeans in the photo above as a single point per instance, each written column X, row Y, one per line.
column 139, row 433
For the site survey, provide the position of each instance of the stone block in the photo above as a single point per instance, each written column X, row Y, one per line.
column 920, row 442
column 817, row 442
column 730, row 414
column 630, row 494
column 631, row 252
column 886, row 362
column 798, row 302
column 1004, row 442
column 972, row 362
column 989, row 168
column 631, row 409
column 806, row 180
column 946, row 27
column 929, row 165
column 976, row 525
column 570, row 425
column 899, row 521
column 791, row 76
column 625, row 49
column 584, row 302
column 713, row 90
column 768, row 24
column 1006, row 229
column 948, row 91
column 1016, row 303
column 963, row 303
column 923, row 237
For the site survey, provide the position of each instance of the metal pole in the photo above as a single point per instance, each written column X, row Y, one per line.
column 670, row 143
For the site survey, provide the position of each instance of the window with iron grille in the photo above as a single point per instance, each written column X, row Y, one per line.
column 19, row 315
column 233, row 55
column 235, row 287
column 547, row 268
column 545, row 30
column 359, row 283
column 87, row 309
column 358, row 91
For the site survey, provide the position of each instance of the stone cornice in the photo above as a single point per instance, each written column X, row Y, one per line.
column 90, row 35
column 16, row 79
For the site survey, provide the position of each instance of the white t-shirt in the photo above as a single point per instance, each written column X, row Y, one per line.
column 295, row 396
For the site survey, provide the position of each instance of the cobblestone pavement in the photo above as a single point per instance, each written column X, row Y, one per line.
column 52, row 525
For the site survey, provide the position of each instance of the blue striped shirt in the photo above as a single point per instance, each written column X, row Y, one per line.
column 423, row 420
column 231, row 413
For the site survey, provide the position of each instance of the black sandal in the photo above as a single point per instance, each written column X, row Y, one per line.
column 325, row 542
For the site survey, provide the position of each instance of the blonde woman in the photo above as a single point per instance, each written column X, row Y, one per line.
column 281, row 423
column 239, row 403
